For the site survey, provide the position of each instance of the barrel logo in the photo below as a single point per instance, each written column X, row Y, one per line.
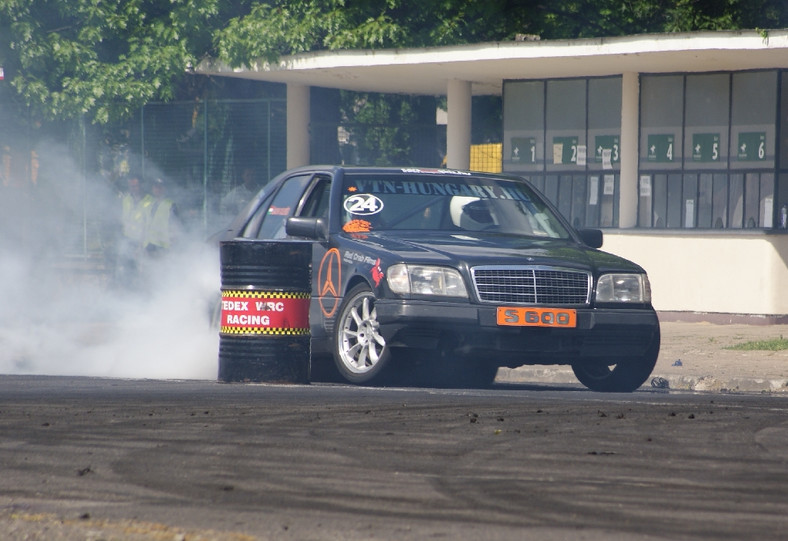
column 265, row 312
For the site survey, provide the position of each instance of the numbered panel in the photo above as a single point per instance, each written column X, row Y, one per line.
column 604, row 124
column 607, row 151
column 706, row 148
column 522, row 150
column 706, row 119
column 751, row 146
column 753, row 115
column 661, row 121
column 565, row 123
column 661, row 147
column 567, row 151
column 523, row 126
column 562, row 125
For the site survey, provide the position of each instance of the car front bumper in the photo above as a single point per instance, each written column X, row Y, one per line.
column 603, row 334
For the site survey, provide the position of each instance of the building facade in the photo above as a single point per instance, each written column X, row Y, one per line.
column 709, row 219
column 676, row 145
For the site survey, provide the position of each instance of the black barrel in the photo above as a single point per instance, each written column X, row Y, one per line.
column 266, row 289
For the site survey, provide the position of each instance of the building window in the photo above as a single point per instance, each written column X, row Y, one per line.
column 564, row 135
column 707, row 151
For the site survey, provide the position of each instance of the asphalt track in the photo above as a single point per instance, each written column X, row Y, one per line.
column 86, row 458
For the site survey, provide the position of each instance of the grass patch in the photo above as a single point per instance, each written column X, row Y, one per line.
column 775, row 344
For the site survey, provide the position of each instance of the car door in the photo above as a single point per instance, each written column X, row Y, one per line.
column 325, row 273
column 305, row 195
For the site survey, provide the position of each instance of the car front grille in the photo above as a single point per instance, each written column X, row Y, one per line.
column 531, row 285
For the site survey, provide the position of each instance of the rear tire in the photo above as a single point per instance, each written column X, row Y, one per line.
column 623, row 377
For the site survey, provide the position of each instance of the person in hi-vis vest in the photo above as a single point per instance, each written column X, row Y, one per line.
column 135, row 210
column 162, row 227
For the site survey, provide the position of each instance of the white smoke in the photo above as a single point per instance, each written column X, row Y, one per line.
column 65, row 315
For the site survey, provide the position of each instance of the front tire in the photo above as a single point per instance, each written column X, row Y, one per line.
column 360, row 351
column 624, row 377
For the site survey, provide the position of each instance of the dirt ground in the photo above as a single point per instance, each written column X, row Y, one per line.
column 697, row 352
column 693, row 356
column 21, row 525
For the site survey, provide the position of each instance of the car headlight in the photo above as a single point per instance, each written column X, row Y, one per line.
column 425, row 280
column 633, row 288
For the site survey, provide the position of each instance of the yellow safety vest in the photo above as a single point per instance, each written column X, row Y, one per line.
column 135, row 217
column 159, row 227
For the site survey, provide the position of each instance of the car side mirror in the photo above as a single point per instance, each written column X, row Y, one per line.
column 591, row 237
column 311, row 228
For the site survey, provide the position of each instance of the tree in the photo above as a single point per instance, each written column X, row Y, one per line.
column 280, row 27
column 103, row 59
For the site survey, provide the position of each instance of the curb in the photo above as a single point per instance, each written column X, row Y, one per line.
column 563, row 375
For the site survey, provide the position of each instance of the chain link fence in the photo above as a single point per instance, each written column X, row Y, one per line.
column 60, row 183
column 201, row 150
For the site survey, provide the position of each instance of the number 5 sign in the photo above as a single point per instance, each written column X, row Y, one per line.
column 706, row 147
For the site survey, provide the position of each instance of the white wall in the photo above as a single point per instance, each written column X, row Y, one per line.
column 737, row 274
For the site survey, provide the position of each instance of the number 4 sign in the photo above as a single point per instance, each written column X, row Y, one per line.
column 660, row 148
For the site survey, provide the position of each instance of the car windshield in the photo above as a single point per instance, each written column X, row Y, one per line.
column 446, row 202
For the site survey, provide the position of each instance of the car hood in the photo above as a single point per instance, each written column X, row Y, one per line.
column 486, row 248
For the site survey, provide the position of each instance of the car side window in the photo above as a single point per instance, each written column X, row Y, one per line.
column 316, row 205
column 253, row 225
column 282, row 206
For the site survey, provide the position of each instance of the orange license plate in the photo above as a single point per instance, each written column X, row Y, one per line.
column 518, row 316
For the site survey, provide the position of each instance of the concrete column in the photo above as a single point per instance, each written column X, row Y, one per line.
column 630, row 120
column 458, row 126
column 297, row 125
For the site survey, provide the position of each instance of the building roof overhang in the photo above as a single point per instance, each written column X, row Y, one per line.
column 427, row 71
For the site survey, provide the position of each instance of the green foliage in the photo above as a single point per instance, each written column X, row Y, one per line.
column 104, row 58
column 288, row 27
column 775, row 344
column 280, row 27
column 378, row 119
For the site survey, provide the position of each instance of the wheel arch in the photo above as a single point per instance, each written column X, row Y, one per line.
column 356, row 280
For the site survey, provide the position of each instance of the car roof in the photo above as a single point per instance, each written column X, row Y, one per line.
column 398, row 170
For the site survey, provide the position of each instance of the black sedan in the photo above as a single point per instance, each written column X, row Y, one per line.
column 451, row 275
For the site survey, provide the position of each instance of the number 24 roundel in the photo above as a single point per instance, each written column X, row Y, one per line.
column 363, row 204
